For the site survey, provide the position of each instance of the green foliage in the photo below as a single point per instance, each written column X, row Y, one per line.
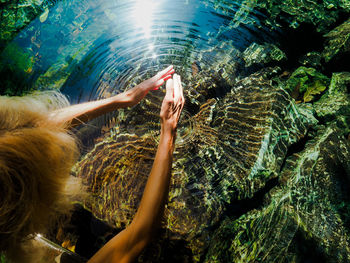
column 307, row 82
column 16, row 66
column 15, row 15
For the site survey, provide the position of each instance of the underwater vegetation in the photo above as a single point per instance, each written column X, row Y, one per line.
column 15, row 15
column 261, row 169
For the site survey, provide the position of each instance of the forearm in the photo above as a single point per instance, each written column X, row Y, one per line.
column 157, row 187
column 81, row 113
column 130, row 242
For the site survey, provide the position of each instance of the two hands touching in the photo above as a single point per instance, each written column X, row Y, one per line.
column 129, row 243
column 173, row 101
column 80, row 113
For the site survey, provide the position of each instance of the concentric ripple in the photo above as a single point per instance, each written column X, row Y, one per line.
column 91, row 49
column 185, row 129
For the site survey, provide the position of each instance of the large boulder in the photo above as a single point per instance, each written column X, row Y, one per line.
column 305, row 219
column 226, row 151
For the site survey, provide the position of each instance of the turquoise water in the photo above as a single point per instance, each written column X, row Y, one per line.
column 244, row 183
column 92, row 49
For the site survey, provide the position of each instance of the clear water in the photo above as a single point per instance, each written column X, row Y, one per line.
column 99, row 48
column 93, row 49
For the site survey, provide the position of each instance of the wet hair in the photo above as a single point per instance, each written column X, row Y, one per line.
column 36, row 156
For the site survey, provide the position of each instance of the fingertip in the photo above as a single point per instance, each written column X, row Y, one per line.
column 169, row 68
column 167, row 77
column 170, row 86
column 169, row 81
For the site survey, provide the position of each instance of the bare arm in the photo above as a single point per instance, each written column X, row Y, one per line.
column 129, row 243
column 81, row 113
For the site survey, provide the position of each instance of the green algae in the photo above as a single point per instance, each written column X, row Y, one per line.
column 17, row 58
column 17, row 65
column 334, row 105
column 307, row 82
column 2, row 258
column 16, row 15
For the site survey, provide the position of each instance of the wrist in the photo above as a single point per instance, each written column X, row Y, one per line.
column 167, row 135
column 168, row 131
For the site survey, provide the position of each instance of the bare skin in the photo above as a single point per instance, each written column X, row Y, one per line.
column 129, row 243
column 81, row 113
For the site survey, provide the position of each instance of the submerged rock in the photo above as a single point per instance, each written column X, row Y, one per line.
column 15, row 15
column 338, row 41
column 228, row 149
column 311, row 59
column 334, row 105
column 305, row 219
column 262, row 54
column 321, row 14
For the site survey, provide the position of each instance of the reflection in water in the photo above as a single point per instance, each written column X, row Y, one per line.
column 255, row 176
column 94, row 49
column 143, row 15
column 97, row 48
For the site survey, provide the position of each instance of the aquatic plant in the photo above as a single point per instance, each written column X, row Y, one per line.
column 307, row 82
column 15, row 15
column 15, row 68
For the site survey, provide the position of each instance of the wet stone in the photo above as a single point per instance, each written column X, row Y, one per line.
column 338, row 42
column 234, row 145
column 306, row 218
column 262, row 54
column 311, row 59
column 334, row 105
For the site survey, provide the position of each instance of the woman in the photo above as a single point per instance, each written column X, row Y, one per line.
column 36, row 154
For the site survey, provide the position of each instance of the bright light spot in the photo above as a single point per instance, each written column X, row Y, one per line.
column 151, row 47
column 154, row 56
column 143, row 15
column 38, row 235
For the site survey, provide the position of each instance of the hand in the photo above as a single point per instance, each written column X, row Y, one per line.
column 136, row 94
column 172, row 104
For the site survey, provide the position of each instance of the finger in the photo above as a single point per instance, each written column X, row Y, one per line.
column 158, row 84
column 166, row 77
column 169, row 89
column 166, row 71
column 181, row 89
column 176, row 89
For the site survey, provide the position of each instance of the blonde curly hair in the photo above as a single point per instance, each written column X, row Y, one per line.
column 36, row 156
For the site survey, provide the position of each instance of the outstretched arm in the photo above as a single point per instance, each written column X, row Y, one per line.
column 81, row 113
column 129, row 243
